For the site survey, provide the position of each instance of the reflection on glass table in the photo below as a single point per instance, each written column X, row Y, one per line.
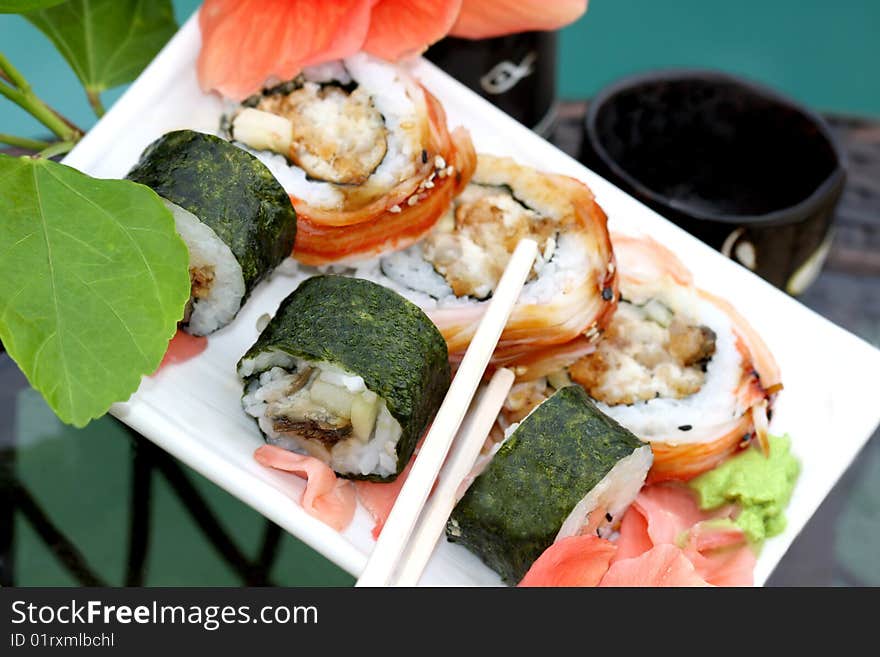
column 104, row 506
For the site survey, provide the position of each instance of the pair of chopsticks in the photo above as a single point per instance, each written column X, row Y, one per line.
column 413, row 528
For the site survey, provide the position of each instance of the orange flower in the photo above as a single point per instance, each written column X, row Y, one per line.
column 480, row 19
column 399, row 28
column 246, row 43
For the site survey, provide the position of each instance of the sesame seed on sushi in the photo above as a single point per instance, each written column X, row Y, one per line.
column 677, row 366
column 453, row 271
column 364, row 152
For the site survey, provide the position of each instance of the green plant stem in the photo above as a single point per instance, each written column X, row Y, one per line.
column 29, row 102
column 12, row 74
column 95, row 101
column 19, row 92
column 24, row 142
column 58, row 148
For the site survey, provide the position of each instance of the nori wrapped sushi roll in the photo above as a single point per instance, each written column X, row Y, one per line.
column 349, row 372
column 236, row 219
column 566, row 469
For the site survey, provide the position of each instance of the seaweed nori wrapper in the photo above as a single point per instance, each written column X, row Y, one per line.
column 373, row 332
column 513, row 511
column 229, row 190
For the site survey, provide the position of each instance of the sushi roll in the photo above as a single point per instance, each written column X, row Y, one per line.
column 566, row 469
column 348, row 372
column 453, row 272
column 237, row 221
column 364, row 152
column 678, row 367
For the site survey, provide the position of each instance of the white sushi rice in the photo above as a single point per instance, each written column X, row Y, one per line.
column 714, row 405
column 207, row 250
column 264, row 361
column 394, row 95
column 611, row 496
column 563, row 272
column 374, row 453
column 408, row 273
column 319, row 194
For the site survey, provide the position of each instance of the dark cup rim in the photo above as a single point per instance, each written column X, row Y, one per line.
column 789, row 214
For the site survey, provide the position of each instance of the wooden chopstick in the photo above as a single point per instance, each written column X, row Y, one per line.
column 484, row 410
column 402, row 519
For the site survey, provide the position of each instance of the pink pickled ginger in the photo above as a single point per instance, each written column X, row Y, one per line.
column 326, row 497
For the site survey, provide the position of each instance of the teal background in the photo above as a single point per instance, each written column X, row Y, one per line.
column 822, row 53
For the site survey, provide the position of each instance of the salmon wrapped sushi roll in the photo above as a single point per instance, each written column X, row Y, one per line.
column 678, row 367
column 453, row 272
column 364, row 152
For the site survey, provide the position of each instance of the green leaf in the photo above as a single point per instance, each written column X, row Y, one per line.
column 107, row 42
column 93, row 279
column 21, row 6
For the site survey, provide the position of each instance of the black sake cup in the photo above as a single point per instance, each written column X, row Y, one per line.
column 516, row 73
column 739, row 166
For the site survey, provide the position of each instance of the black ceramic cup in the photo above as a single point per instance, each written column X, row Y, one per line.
column 517, row 73
column 736, row 164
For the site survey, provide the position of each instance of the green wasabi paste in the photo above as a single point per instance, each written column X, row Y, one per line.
column 760, row 485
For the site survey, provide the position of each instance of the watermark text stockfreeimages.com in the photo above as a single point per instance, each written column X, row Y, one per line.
column 210, row 617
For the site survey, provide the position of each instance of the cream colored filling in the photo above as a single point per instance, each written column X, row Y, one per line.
column 471, row 248
column 645, row 354
column 333, row 135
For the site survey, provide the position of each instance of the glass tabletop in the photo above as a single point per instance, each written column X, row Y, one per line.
column 104, row 506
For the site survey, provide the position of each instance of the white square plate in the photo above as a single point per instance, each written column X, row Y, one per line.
column 829, row 404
